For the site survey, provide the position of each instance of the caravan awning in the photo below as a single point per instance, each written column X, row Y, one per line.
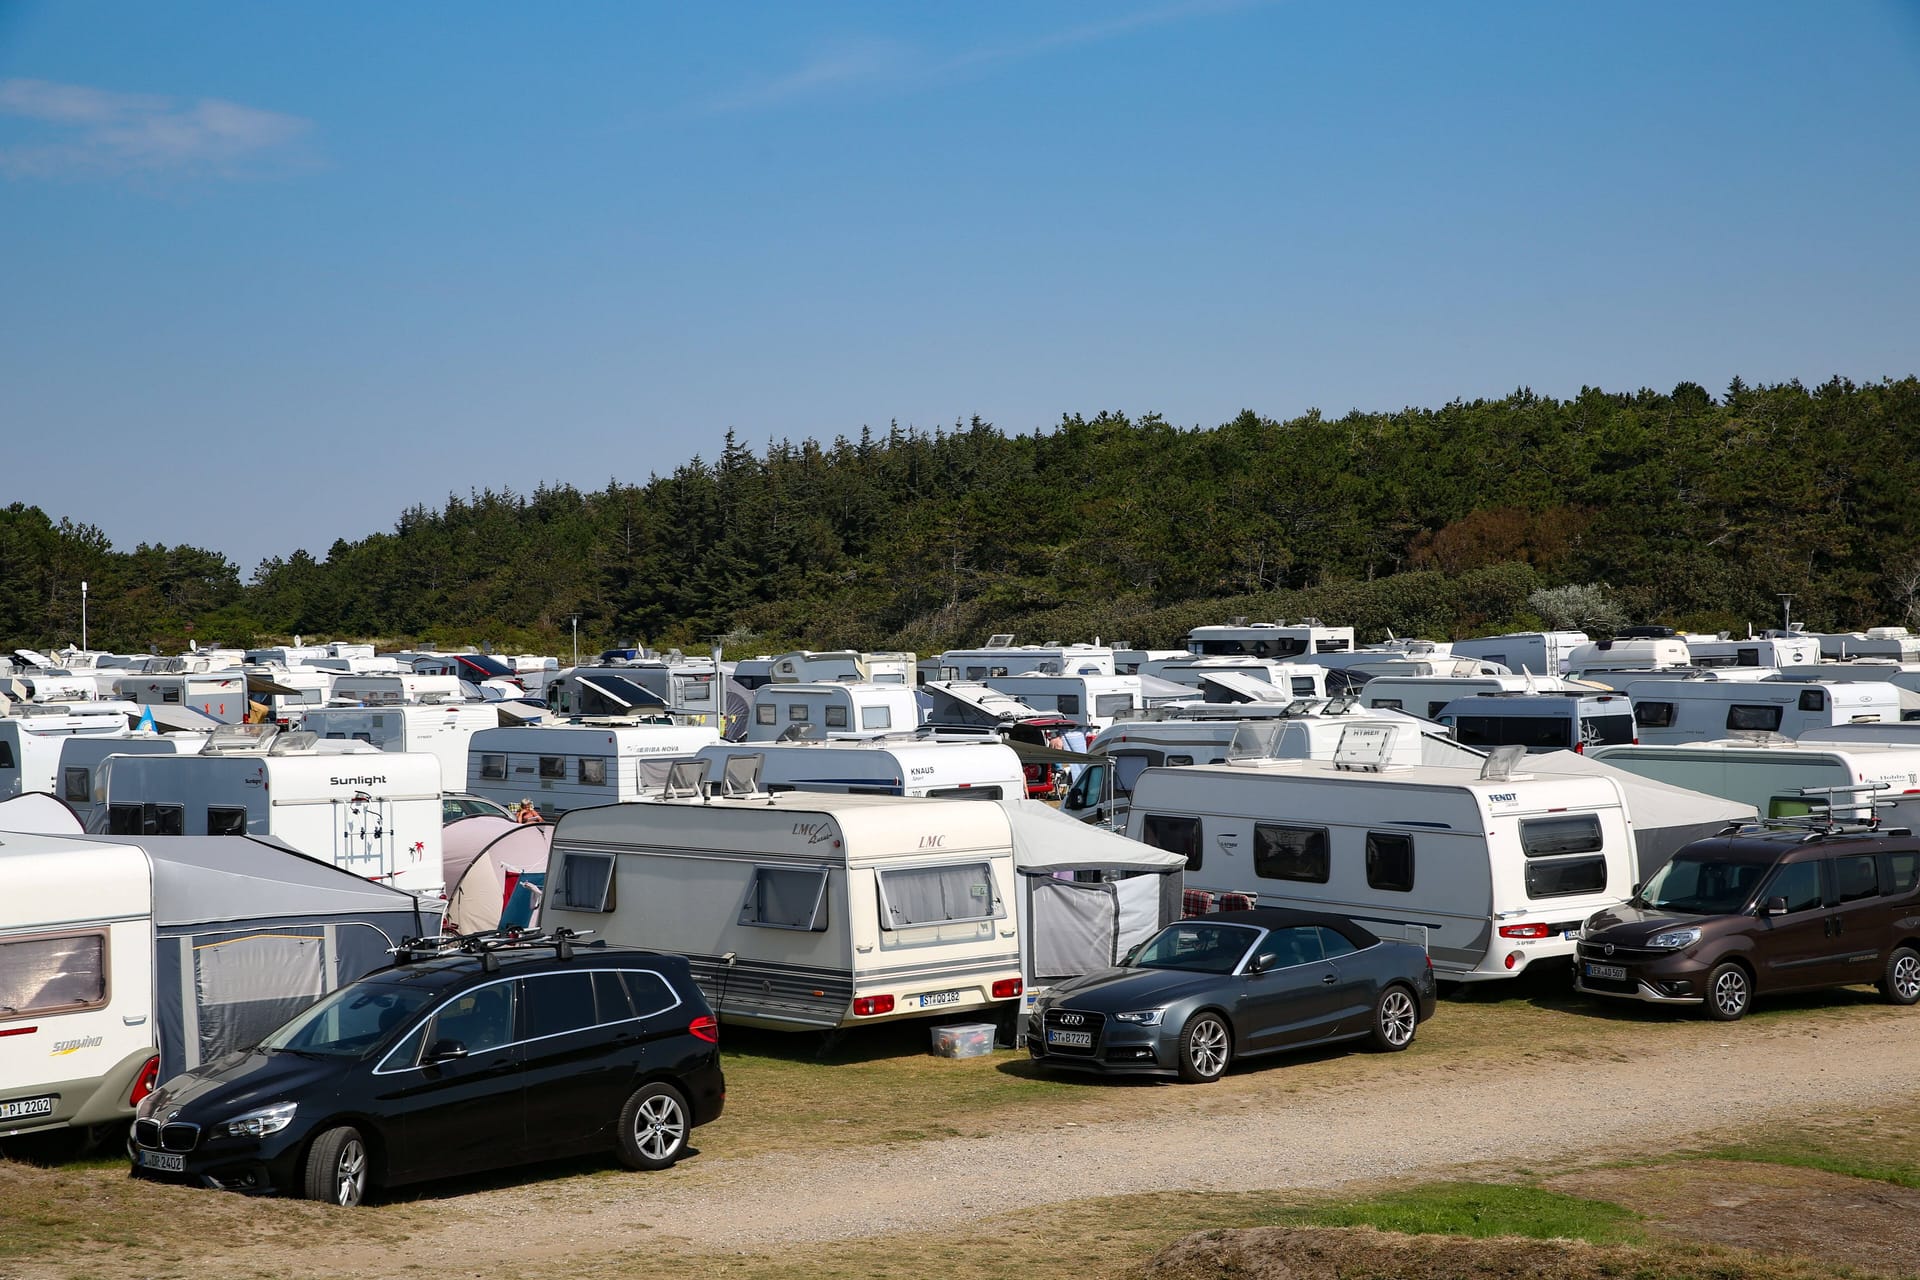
column 259, row 683
column 1034, row 753
column 174, row 718
column 1046, row 840
column 623, row 692
column 1243, row 687
column 975, row 703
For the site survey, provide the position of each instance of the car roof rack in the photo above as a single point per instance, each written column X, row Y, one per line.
column 1821, row 825
column 486, row 944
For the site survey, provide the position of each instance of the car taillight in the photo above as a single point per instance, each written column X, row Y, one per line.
column 1525, row 931
column 868, row 1006
column 705, row 1028
column 1006, row 988
column 1579, row 748
column 145, row 1082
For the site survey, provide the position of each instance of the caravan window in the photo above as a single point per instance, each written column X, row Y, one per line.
column 876, row 717
column 1553, row 848
column 696, row 691
column 1127, row 768
column 1290, row 853
column 787, row 898
column 766, row 713
column 165, row 819
column 1653, row 715
column 494, row 767
column 964, row 792
column 1386, row 704
column 1748, row 658
column 61, row 973
column 797, row 712
column 1549, row 837
column 956, row 894
column 593, row 771
column 76, row 785
column 1067, row 704
column 123, row 820
column 6, row 754
column 1175, row 835
column 170, row 695
column 586, row 882
column 836, row 717
column 1303, row 687
column 1813, row 699
column 226, row 822
column 1112, row 704
column 1389, row 862
column 553, row 767
column 1751, row 716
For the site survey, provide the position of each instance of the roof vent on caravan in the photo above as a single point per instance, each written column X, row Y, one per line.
column 686, row 780
column 1254, row 740
column 290, row 742
column 240, row 739
column 1501, row 762
column 1758, row 738
column 1000, row 640
column 799, row 733
column 1365, row 748
column 742, row 776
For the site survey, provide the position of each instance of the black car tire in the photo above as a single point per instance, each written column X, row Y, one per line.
column 1900, row 984
column 1206, row 1047
column 653, row 1127
column 1729, row 992
column 1396, row 1016
column 336, row 1168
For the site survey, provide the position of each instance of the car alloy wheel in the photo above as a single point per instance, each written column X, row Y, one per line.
column 659, row 1127
column 1903, row 976
column 1206, row 1047
column 1729, row 992
column 350, row 1173
column 1398, row 1018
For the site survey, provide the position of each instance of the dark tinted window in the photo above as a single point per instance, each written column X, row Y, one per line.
column 1653, row 715
column 1550, row 837
column 557, row 1003
column 491, row 766
column 1750, row 716
column 1856, row 876
column 168, row 819
column 1067, row 704
column 1798, row 883
column 1564, row 877
column 1813, row 699
column 1389, row 862
column 226, row 822
column 1905, row 869
column 553, row 767
column 123, row 820
column 1175, row 835
column 76, row 785
column 1334, row 944
column 1299, row 945
column 1596, row 730
column 6, row 754
column 1387, row 704
column 481, row 1019
column 1535, row 733
column 648, row 992
column 1290, row 853
column 610, row 1001
column 593, row 771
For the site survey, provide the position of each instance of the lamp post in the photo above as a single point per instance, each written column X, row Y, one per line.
column 576, row 639
column 83, row 613
column 1786, row 608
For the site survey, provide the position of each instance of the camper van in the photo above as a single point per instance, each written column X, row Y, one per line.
column 1573, row 721
column 1669, row 711
column 1278, row 640
column 1096, row 701
column 1540, row 653
column 31, row 740
column 1784, row 779
column 374, row 813
column 124, row 962
column 82, row 775
column 1497, row 871
column 831, row 711
column 1002, row 657
column 570, row 766
column 441, row 730
column 971, row 769
column 1428, row 696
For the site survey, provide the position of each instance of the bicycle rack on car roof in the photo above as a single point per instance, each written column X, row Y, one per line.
column 1819, row 826
column 486, row 944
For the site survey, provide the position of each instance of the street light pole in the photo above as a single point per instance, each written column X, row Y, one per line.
column 576, row 639
column 83, row 614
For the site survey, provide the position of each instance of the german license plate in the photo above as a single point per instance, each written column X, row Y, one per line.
column 1611, row 972
column 22, row 1108
column 164, row 1161
column 934, row 999
column 1071, row 1039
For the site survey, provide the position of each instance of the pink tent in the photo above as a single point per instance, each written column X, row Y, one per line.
column 475, row 901
column 461, row 842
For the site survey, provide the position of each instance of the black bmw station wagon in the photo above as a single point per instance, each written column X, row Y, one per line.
column 466, row 1054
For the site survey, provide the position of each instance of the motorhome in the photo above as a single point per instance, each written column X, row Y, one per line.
column 1428, row 696
column 969, row 769
column 1541, row 653
column 1002, row 657
column 568, row 766
column 1783, row 779
column 393, row 689
column 443, row 730
column 1539, row 722
column 1765, row 651
column 1670, row 711
column 1497, row 868
column 831, row 711
column 81, row 778
column 374, row 813
column 1093, row 700
column 1278, row 640
column 815, row 912
column 124, row 962
column 31, row 739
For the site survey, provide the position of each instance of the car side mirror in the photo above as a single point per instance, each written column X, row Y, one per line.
column 1775, row 907
column 1261, row 963
column 446, row 1051
column 1638, row 885
column 1133, row 953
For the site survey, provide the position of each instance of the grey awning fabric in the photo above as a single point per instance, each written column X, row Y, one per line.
column 1046, row 840
column 1034, row 753
column 175, row 718
column 259, row 683
column 624, row 693
column 200, row 879
column 1242, row 687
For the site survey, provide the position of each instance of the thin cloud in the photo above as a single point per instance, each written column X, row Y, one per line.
column 100, row 132
column 877, row 64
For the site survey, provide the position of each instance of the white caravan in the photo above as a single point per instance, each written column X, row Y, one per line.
column 1605, row 660
column 126, row 962
column 1096, row 700
column 374, row 813
column 220, row 695
column 1270, row 639
column 686, row 688
column 1890, row 644
column 803, row 911
column 31, row 739
column 1540, row 722
column 289, row 692
column 1788, row 779
column 82, row 776
column 442, row 730
column 1232, row 680
column 1670, row 711
column 1499, row 871
column 1542, row 653
column 805, row 666
column 1428, row 696
column 831, row 711
column 570, row 766
column 394, row 689
column 1002, row 657
column 1765, row 651
column 973, row 769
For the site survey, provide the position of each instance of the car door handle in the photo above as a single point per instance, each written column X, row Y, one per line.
column 1331, row 978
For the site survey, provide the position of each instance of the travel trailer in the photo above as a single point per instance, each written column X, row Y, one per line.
column 126, row 961
column 221, row 695
column 1002, row 657
column 1890, row 644
column 831, row 711
column 1720, row 651
column 975, row 768
column 1540, row 722
column 1670, row 711
column 1604, row 661
column 393, row 689
column 570, row 766
column 1230, row 680
column 846, row 665
column 1428, row 696
column 1277, row 640
column 1093, row 700
column 814, row 912
column 686, row 688
column 442, row 730
column 1496, row 866
column 1783, row 779
column 82, row 776
column 374, row 813
column 32, row 737
column 288, row 693
column 1541, row 653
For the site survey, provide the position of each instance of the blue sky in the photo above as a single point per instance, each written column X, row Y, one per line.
column 271, row 273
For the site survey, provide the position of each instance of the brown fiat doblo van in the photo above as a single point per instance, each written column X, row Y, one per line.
column 1762, row 912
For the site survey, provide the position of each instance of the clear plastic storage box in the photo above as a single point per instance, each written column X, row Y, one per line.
column 963, row 1040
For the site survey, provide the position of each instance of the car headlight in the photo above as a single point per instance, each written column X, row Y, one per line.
column 1141, row 1017
column 1674, row 939
column 257, row 1124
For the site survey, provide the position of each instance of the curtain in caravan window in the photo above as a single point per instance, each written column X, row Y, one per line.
column 938, row 895
column 246, row 986
column 52, row 975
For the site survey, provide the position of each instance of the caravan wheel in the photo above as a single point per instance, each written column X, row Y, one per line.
column 653, row 1127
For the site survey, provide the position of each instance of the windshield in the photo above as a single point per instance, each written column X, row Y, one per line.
column 350, row 1022
column 1198, row 948
column 1702, row 885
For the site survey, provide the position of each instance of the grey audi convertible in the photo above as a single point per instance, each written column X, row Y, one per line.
column 1207, row 990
